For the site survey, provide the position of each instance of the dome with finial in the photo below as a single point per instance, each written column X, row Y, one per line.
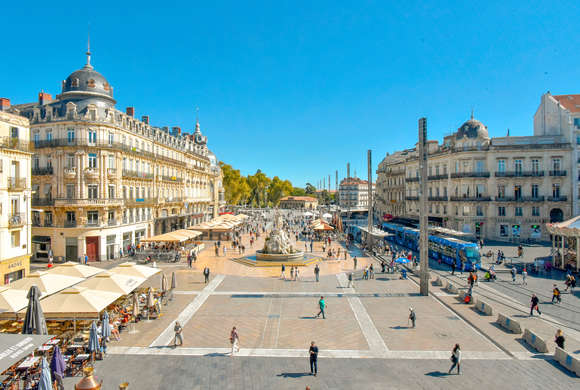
column 472, row 129
column 87, row 83
column 199, row 138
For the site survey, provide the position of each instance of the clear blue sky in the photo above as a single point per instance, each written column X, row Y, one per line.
column 298, row 88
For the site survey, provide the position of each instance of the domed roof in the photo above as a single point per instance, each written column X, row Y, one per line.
column 87, row 83
column 472, row 129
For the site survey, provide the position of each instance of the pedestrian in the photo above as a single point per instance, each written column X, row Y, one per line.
column 412, row 316
column 556, row 295
column 296, row 273
column 345, row 254
column 513, row 272
column 366, row 273
column 350, row 282
column 462, row 267
column 453, row 267
column 524, row 277
column 178, row 330
column 291, row 273
column 534, row 305
column 322, row 306
column 456, row 359
column 313, row 352
column 282, row 274
column 225, row 250
column 355, row 260
column 206, row 274
column 189, row 260
column 316, row 272
column 371, row 272
column 235, row 340
column 86, row 259
column 559, row 340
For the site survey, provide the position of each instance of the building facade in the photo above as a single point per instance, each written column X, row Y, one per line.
column 103, row 179
column 299, row 202
column 498, row 188
column 15, row 195
column 353, row 194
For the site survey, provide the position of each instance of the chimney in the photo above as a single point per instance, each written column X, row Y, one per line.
column 4, row 104
column 130, row 111
column 348, row 170
column 145, row 119
column 44, row 98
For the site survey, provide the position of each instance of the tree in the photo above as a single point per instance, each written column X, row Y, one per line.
column 297, row 191
column 310, row 189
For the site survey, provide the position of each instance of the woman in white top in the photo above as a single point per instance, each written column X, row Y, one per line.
column 456, row 359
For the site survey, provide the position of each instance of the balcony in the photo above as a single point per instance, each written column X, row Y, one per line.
column 172, row 179
column 557, row 173
column 111, row 173
column 443, row 176
column 174, row 200
column 92, row 224
column 561, row 198
column 411, row 198
column 92, row 173
column 88, row 202
column 137, row 175
column 16, row 220
column 520, row 174
column 532, row 198
column 457, row 175
column 505, row 199
column 470, row 198
column 70, row 173
column 16, row 184
column 438, row 198
column 42, row 171
column 42, row 202
column 70, row 224
column 141, row 202
column 112, row 222
column 15, row 144
column 412, row 179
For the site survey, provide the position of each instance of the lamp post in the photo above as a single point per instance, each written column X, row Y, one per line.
column 423, row 217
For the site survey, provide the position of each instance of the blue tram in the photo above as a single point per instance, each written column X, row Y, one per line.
column 445, row 249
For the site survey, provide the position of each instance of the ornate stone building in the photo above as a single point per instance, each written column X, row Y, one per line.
column 353, row 194
column 499, row 188
column 15, row 234
column 103, row 179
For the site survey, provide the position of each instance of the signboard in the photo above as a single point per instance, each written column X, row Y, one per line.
column 535, row 231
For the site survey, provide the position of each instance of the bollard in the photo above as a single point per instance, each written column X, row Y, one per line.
column 509, row 324
column 483, row 307
column 535, row 341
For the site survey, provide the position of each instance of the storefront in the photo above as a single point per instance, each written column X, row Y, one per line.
column 14, row 268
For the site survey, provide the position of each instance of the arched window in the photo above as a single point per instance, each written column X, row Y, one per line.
column 91, row 83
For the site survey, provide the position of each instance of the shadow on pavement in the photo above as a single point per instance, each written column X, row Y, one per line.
column 308, row 317
column 217, row 354
column 294, row 374
column 400, row 327
column 437, row 374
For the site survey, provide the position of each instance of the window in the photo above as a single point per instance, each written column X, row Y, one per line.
column 71, row 217
column 556, row 190
column 518, row 192
column 518, row 166
column 92, row 160
column 111, row 218
column 92, row 136
column 430, row 209
column 466, row 210
column 577, row 122
column 501, row 165
column 111, row 138
column 14, row 132
column 479, row 190
column 111, row 192
column 456, row 166
column 501, row 211
column 535, row 211
column 111, row 161
column 70, row 161
column 92, row 217
column 49, row 135
column 124, row 192
column 436, row 209
column 479, row 166
column 70, row 136
column 535, row 165
column 535, row 191
column 70, row 191
column 35, row 162
column 503, row 230
column 479, row 211
column 48, row 218
column 93, row 191
column 49, row 161
column 15, row 238
column 519, row 212
column 36, row 137
column 501, row 191
column 556, row 164
column 445, row 209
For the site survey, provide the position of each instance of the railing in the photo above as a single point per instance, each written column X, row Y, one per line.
column 88, row 202
column 16, row 144
column 138, row 175
column 561, row 198
column 411, row 198
column 16, row 184
column 16, row 220
column 70, row 224
column 411, row 179
column 42, row 202
column 470, row 198
column 142, row 201
column 456, row 175
column 532, row 198
column 443, row 176
column 112, row 222
column 42, row 171
column 438, row 198
column 519, row 174
column 505, row 199
column 172, row 178
column 557, row 173
column 70, row 171
column 92, row 223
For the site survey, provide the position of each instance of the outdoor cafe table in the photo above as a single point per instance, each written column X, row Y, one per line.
column 45, row 348
column 28, row 362
column 52, row 342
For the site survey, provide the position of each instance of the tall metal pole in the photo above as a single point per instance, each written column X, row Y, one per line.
column 329, row 183
column 370, row 199
column 423, row 216
column 336, row 183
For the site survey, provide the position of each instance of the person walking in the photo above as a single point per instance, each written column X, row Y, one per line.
column 412, row 316
column 355, row 260
column 524, row 277
column 206, row 274
column 317, row 272
column 345, row 254
column 235, row 340
column 322, row 306
column 559, row 340
column 371, row 272
column 189, row 260
column 350, row 282
column 534, row 305
column 296, row 274
column 225, row 250
column 453, row 267
column 178, row 330
column 556, row 294
column 86, row 259
column 291, row 273
column 313, row 353
column 513, row 272
column 456, row 359
column 282, row 274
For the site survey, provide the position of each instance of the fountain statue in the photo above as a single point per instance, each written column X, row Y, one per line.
column 277, row 246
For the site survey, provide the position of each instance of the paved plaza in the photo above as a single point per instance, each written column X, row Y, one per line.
column 365, row 341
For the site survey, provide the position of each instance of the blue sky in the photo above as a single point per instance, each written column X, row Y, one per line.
column 299, row 88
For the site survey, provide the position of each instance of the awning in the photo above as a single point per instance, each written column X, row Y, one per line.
column 40, row 239
column 181, row 235
column 117, row 283
column 48, row 283
column 12, row 301
column 77, row 302
column 71, row 268
column 15, row 347
column 132, row 269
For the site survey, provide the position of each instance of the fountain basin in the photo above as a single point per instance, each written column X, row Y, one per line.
column 260, row 255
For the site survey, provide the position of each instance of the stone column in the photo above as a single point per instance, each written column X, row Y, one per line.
column 80, row 177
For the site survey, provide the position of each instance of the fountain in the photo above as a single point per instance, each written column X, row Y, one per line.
column 277, row 246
